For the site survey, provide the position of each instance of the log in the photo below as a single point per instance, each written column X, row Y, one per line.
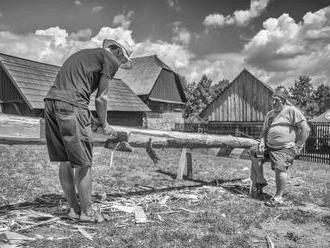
column 139, row 138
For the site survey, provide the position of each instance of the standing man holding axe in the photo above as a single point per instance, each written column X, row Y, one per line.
column 69, row 121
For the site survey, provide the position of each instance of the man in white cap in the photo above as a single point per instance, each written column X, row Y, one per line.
column 68, row 120
column 284, row 133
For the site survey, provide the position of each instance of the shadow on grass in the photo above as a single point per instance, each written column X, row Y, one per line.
column 54, row 200
column 43, row 201
column 233, row 188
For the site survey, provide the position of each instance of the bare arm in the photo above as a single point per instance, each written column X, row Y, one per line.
column 101, row 100
column 303, row 133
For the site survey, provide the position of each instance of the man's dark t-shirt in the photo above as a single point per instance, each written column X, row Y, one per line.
column 79, row 76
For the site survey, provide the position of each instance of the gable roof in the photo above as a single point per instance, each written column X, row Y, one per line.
column 325, row 117
column 142, row 77
column 244, row 71
column 121, row 98
column 33, row 80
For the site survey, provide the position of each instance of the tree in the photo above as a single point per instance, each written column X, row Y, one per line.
column 200, row 94
column 322, row 98
column 303, row 96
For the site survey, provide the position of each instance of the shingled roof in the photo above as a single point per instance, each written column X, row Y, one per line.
column 142, row 77
column 33, row 80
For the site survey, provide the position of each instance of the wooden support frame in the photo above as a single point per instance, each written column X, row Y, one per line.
column 185, row 161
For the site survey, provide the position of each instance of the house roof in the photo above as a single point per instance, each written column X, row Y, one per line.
column 122, row 98
column 244, row 71
column 33, row 80
column 142, row 77
column 325, row 117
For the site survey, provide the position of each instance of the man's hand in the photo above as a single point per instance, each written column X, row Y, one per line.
column 108, row 130
column 297, row 149
column 261, row 146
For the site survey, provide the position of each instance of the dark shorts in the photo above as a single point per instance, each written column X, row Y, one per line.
column 68, row 133
column 280, row 159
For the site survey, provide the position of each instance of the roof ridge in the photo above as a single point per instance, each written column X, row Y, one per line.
column 220, row 93
column 29, row 60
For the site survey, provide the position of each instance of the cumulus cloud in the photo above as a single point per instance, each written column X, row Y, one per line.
column 77, row 2
column 286, row 49
column 216, row 66
column 123, row 20
column 174, row 55
column 239, row 17
column 174, row 4
column 181, row 35
column 97, row 9
column 54, row 45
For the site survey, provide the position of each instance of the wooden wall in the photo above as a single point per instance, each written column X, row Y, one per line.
column 246, row 99
column 129, row 119
column 10, row 99
column 165, row 87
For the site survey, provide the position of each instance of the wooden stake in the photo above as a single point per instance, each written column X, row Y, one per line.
column 182, row 164
column 189, row 164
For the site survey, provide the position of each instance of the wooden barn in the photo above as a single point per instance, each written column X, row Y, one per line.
column 245, row 99
column 155, row 83
column 24, row 83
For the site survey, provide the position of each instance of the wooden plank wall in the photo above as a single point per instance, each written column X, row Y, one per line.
column 166, row 88
column 246, row 99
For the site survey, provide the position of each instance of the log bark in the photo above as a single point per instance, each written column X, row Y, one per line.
column 139, row 138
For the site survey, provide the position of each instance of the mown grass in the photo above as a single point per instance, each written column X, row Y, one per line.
column 223, row 215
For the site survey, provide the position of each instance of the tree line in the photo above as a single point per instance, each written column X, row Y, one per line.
column 309, row 99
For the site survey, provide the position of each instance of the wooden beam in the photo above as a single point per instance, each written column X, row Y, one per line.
column 160, row 139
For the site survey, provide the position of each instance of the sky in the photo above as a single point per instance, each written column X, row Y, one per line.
column 276, row 40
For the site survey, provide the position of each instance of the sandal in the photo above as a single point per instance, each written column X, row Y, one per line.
column 274, row 203
column 95, row 217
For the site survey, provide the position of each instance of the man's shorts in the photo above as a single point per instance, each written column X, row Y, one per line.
column 280, row 159
column 68, row 133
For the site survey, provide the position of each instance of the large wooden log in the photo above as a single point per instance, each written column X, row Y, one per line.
column 139, row 138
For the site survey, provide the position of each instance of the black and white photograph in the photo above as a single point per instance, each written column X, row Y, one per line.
column 165, row 123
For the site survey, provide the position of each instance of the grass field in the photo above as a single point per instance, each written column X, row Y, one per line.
column 213, row 210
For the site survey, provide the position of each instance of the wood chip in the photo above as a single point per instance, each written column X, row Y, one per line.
column 85, row 233
column 126, row 209
column 140, row 216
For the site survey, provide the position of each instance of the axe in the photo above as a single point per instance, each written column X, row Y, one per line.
column 117, row 137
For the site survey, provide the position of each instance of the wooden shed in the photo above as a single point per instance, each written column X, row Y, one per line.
column 155, row 83
column 24, row 84
column 245, row 99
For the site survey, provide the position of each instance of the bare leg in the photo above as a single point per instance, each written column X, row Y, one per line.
column 68, row 186
column 281, row 178
column 84, row 185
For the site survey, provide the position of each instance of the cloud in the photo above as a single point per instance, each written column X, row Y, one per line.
column 286, row 49
column 54, row 45
column 181, row 35
column 1, row 14
column 77, row 2
column 174, row 4
column 97, row 9
column 215, row 66
column 239, row 17
column 123, row 20
column 174, row 55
